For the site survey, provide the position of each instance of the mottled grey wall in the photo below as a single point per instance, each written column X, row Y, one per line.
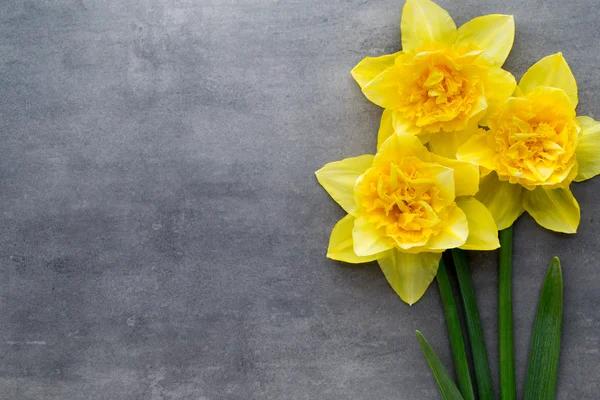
column 162, row 235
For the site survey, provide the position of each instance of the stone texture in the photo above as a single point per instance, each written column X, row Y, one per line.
column 162, row 235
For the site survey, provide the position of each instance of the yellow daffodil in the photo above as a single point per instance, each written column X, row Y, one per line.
column 406, row 206
column 445, row 80
column 536, row 146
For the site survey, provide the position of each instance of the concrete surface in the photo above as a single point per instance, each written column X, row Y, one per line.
column 162, row 235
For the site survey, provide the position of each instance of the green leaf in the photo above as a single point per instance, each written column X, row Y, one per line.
column 474, row 328
column 545, row 343
column 447, row 388
column 459, row 355
column 505, row 324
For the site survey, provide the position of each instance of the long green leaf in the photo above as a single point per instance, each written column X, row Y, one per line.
column 457, row 344
column 505, row 320
column 447, row 388
column 474, row 328
column 545, row 343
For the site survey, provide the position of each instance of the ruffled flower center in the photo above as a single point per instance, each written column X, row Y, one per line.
column 406, row 201
column 536, row 137
column 441, row 89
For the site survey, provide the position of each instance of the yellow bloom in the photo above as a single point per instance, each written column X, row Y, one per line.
column 406, row 206
column 537, row 146
column 445, row 80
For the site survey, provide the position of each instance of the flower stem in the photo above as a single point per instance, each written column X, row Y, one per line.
column 505, row 326
column 457, row 344
column 474, row 328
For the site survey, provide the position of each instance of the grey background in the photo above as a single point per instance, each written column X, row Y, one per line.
column 162, row 235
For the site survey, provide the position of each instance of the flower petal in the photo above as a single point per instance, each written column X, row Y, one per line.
column 369, row 67
column 466, row 175
column 409, row 274
column 551, row 71
column 588, row 149
column 548, row 103
column 386, row 129
column 398, row 146
column 402, row 125
column 424, row 23
column 493, row 33
column 367, row 240
column 453, row 235
column 383, row 89
column 504, row 200
column 554, row 209
column 478, row 109
column 479, row 149
column 339, row 177
column 444, row 182
column 341, row 245
column 446, row 144
column 483, row 233
column 500, row 85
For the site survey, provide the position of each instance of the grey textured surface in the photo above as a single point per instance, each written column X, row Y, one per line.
column 162, row 235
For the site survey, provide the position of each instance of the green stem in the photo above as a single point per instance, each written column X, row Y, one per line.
column 457, row 344
column 505, row 326
column 480, row 360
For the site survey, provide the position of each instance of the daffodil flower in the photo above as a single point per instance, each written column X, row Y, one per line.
column 445, row 80
column 536, row 146
column 406, row 206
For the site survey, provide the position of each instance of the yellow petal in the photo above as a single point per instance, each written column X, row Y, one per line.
column 483, row 234
column 338, row 179
column 478, row 109
column 383, row 89
column 425, row 23
column 341, row 245
column 548, row 103
column 366, row 70
column 368, row 240
column 551, row 71
column 483, row 172
column 588, row 149
column 446, row 144
column 386, row 129
column 398, row 146
column 453, row 235
column 502, row 199
column 466, row 175
column 402, row 125
column 586, row 122
column 518, row 92
column 492, row 33
column 554, row 209
column 409, row 274
column 444, row 181
column 500, row 85
column 479, row 149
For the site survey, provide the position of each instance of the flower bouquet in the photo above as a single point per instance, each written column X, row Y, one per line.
column 462, row 152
